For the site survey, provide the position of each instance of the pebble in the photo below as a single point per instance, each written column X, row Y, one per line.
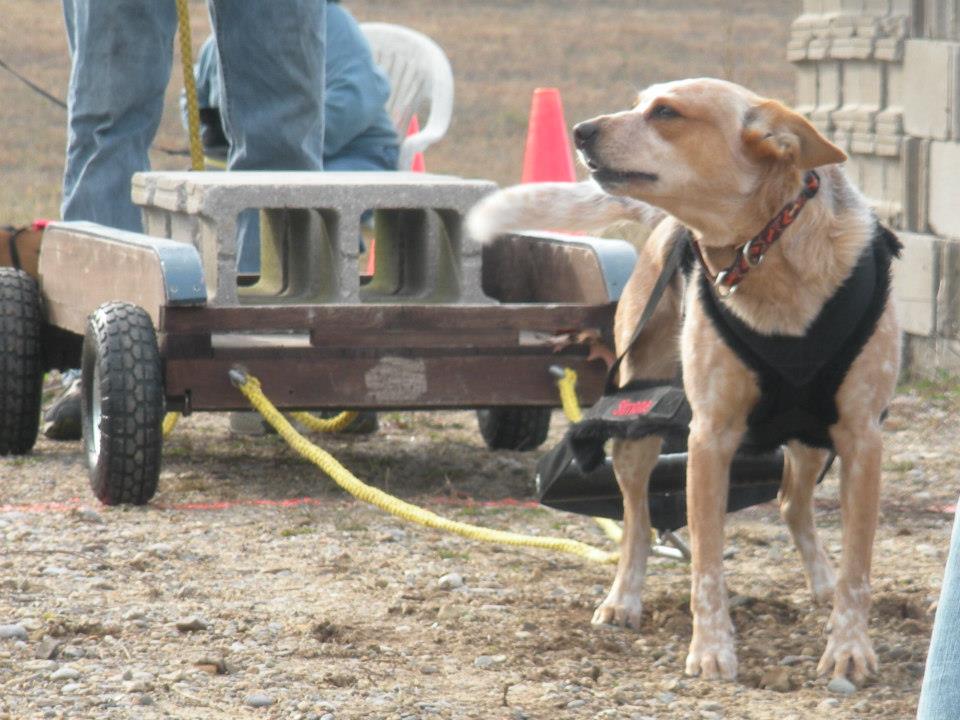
column 488, row 661
column 191, row 624
column 714, row 707
column 259, row 700
column 796, row 659
column 16, row 632
column 776, row 679
column 65, row 673
column 841, row 686
column 450, row 581
column 828, row 704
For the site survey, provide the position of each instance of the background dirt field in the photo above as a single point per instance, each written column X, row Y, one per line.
column 251, row 581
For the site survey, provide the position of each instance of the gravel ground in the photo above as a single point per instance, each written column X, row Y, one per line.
column 251, row 588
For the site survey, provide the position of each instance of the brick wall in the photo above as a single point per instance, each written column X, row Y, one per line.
column 881, row 78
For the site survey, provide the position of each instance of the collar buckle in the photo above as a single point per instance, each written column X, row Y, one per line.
column 722, row 289
column 747, row 252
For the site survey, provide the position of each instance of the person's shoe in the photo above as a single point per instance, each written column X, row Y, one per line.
column 61, row 421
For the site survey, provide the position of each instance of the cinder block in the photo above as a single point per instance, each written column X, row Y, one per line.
column 863, row 96
column 916, row 183
column 948, row 296
column 806, row 100
column 310, row 231
column 829, row 94
column 931, row 82
column 916, row 281
column 945, row 188
column 939, row 19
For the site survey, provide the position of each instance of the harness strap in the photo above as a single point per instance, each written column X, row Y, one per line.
column 670, row 268
column 14, row 253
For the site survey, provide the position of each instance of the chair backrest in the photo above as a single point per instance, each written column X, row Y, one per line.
column 420, row 75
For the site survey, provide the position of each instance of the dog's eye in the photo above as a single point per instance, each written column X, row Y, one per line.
column 663, row 112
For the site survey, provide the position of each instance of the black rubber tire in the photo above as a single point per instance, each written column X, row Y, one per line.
column 514, row 428
column 123, row 386
column 21, row 361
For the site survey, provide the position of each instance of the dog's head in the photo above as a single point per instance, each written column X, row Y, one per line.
column 710, row 152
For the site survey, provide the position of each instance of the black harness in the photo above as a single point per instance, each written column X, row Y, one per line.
column 14, row 252
column 799, row 376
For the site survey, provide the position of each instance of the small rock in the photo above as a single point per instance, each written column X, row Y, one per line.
column 666, row 697
column 71, row 688
column 88, row 516
column 776, row 679
column 828, row 704
column 578, row 703
column 213, row 666
column 13, row 632
column 145, row 700
column 259, row 700
column 191, row 624
column 65, row 673
column 713, row 707
column 488, row 661
column 429, row 669
column 450, row 581
column 796, row 659
column 841, row 686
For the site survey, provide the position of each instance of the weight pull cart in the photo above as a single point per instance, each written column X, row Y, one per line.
column 157, row 320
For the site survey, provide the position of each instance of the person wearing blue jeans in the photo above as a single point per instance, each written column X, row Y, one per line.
column 358, row 132
column 272, row 68
column 940, row 693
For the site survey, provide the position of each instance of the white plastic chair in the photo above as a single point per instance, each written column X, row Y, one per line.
column 419, row 74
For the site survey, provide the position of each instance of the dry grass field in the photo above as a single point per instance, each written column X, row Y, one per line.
column 597, row 52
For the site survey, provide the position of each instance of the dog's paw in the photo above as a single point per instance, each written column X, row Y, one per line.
column 822, row 583
column 849, row 654
column 623, row 612
column 713, row 659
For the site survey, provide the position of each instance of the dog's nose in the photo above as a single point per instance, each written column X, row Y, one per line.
column 585, row 133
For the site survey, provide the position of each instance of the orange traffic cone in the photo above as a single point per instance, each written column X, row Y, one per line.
column 418, row 164
column 547, row 156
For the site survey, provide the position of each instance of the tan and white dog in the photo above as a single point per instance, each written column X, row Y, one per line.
column 722, row 161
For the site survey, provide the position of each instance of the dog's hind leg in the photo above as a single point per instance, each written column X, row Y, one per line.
column 654, row 356
column 800, row 472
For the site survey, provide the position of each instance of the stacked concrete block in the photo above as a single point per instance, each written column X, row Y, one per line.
column 881, row 78
column 310, row 231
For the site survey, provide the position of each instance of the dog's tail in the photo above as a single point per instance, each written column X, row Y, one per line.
column 572, row 207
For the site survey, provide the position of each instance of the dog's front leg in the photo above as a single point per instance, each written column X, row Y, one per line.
column 849, row 650
column 712, row 654
column 633, row 461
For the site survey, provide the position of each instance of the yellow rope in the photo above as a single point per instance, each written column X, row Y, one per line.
column 567, row 385
column 190, row 85
column 325, row 425
column 193, row 125
column 250, row 387
column 170, row 422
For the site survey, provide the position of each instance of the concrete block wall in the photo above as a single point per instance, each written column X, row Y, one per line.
column 881, row 78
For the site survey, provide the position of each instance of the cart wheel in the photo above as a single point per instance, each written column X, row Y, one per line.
column 514, row 428
column 21, row 368
column 122, row 405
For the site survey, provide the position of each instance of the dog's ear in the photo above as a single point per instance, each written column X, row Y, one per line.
column 772, row 131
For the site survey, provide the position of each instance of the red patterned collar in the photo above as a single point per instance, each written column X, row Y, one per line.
column 751, row 253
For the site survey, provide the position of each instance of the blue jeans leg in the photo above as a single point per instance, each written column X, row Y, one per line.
column 122, row 51
column 940, row 694
column 272, row 77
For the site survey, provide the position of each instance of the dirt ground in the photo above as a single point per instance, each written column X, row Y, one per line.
column 250, row 579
